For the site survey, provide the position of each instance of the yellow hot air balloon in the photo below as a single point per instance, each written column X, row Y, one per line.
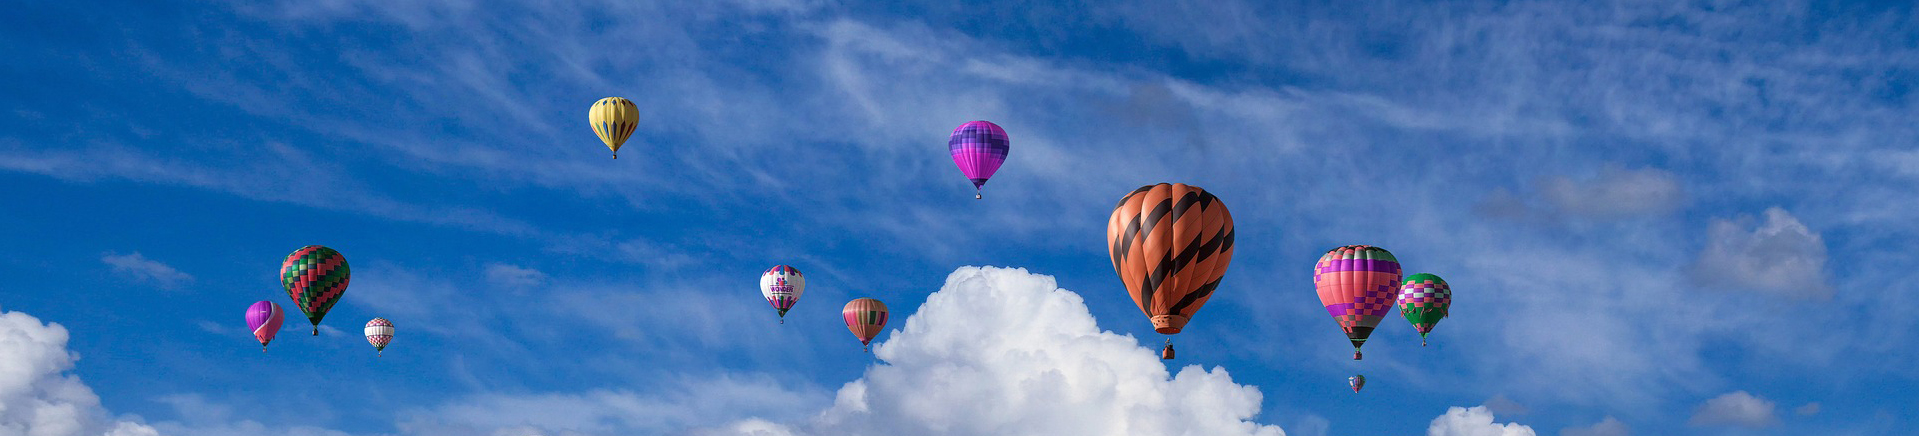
column 614, row 119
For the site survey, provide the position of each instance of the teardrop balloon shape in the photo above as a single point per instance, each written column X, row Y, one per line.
column 613, row 120
column 1170, row 245
column 315, row 277
column 379, row 332
column 782, row 286
column 1424, row 299
column 865, row 317
column 979, row 148
column 264, row 318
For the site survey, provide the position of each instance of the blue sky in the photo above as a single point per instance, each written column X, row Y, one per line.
column 1658, row 218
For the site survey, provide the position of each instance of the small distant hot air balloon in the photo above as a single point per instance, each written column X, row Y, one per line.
column 1170, row 244
column 614, row 119
column 1357, row 284
column 1424, row 300
column 379, row 332
column 315, row 277
column 865, row 317
column 782, row 286
column 264, row 318
column 979, row 147
column 1357, row 381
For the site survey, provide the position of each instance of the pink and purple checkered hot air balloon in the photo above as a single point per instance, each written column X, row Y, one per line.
column 379, row 332
column 1357, row 284
column 979, row 147
column 1425, row 299
column 782, row 286
column 264, row 318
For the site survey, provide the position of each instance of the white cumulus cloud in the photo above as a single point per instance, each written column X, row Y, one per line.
column 514, row 276
column 1781, row 256
column 1001, row 351
column 1736, row 408
column 37, row 396
column 1476, row 421
column 140, row 268
column 1605, row 427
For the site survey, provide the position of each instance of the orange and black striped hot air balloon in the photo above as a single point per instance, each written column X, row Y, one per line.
column 1170, row 244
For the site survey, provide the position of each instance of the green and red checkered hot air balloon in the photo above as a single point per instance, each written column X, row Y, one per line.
column 1425, row 299
column 315, row 277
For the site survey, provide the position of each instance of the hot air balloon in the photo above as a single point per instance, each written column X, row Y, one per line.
column 614, row 119
column 264, row 318
column 782, row 286
column 979, row 147
column 1424, row 300
column 1357, row 381
column 865, row 317
column 1357, row 284
column 1170, row 244
column 315, row 277
column 379, row 332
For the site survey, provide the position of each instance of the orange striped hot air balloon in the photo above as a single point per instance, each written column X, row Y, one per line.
column 1170, row 244
column 865, row 317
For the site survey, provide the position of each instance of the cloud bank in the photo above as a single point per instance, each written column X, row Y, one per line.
column 1475, row 421
column 37, row 397
column 1000, row 351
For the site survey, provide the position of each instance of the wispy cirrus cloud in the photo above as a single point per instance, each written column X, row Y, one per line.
column 139, row 268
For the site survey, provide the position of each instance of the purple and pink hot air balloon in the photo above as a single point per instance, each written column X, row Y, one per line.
column 979, row 147
column 264, row 318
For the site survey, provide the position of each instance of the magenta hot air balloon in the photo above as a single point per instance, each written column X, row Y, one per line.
column 265, row 318
column 979, row 147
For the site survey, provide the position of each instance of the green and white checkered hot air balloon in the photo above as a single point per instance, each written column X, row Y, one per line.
column 1425, row 299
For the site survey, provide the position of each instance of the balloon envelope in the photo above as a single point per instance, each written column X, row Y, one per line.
column 1424, row 299
column 782, row 286
column 1357, row 381
column 264, row 319
column 614, row 120
column 979, row 147
column 864, row 317
column 315, row 277
column 1170, row 244
column 379, row 332
column 1357, row 284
